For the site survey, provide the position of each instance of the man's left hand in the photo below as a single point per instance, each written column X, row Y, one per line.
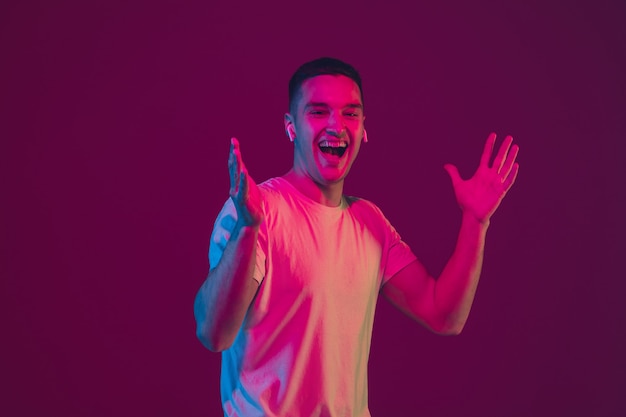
column 481, row 195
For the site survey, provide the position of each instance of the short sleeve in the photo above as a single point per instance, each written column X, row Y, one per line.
column 222, row 230
column 399, row 254
column 396, row 253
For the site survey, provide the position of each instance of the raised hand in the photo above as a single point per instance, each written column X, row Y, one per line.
column 482, row 193
column 243, row 189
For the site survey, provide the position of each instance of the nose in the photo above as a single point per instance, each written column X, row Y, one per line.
column 335, row 126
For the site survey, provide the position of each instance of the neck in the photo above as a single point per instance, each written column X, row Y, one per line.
column 326, row 194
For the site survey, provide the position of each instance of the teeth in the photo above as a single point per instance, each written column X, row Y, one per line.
column 334, row 144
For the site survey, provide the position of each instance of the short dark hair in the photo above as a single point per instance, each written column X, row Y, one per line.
column 321, row 66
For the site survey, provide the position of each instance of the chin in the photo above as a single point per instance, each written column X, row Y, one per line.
column 333, row 178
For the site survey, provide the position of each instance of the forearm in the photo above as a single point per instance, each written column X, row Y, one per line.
column 222, row 301
column 443, row 304
column 455, row 288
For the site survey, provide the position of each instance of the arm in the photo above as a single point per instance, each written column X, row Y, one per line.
column 443, row 304
column 224, row 297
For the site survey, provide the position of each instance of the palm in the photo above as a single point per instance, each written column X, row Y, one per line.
column 243, row 189
column 481, row 194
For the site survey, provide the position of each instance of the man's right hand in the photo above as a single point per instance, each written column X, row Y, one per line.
column 243, row 190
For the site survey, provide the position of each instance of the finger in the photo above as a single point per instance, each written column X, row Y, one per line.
column 510, row 160
column 502, row 153
column 488, row 150
column 233, row 166
column 243, row 186
column 510, row 179
column 236, row 153
column 240, row 165
column 453, row 172
column 231, row 169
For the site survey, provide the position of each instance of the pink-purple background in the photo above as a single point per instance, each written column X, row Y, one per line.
column 115, row 119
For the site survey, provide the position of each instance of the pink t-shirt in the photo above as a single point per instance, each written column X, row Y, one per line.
column 304, row 344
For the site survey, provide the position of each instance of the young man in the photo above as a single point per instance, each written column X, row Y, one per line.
column 296, row 266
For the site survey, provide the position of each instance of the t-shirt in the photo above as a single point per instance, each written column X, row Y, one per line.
column 303, row 347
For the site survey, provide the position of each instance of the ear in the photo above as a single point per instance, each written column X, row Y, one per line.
column 364, row 135
column 289, row 127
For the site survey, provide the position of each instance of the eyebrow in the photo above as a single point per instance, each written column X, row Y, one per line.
column 322, row 104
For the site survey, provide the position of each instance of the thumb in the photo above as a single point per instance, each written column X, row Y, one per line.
column 453, row 172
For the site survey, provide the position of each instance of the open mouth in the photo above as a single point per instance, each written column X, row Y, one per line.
column 333, row 147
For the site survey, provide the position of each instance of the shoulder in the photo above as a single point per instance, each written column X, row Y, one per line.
column 361, row 206
column 275, row 190
column 368, row 214
column 273, row 186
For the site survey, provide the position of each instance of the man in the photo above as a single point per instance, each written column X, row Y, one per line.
column 296, row 266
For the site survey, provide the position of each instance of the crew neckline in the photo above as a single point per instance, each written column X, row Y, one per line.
column 343, row 205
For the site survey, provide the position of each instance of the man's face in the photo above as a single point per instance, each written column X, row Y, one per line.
column 328, row 121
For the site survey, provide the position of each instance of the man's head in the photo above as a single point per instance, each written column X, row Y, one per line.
column 320, row 66
column 325, row 120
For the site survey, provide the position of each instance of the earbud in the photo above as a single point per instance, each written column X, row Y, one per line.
column 364, row 136
column 290, row 133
